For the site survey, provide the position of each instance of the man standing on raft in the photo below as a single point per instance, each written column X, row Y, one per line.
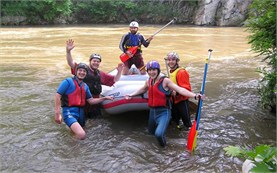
column 130, row 40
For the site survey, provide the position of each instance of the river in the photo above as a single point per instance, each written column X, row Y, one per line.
column 33, row 64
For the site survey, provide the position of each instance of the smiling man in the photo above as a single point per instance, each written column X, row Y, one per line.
column 94, row 79
column 72, row 95
column 130, row 40
column 179, row 76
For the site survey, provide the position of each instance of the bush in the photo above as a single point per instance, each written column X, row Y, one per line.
column 37, row 11
column 262, row 25
column 264, row 157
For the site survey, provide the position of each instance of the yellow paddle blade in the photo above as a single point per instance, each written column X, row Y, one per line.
column 194, row 141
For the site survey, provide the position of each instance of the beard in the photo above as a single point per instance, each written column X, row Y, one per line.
column 134, row 32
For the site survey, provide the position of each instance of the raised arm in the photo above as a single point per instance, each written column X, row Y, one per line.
column 69, row 46
column 119, row 71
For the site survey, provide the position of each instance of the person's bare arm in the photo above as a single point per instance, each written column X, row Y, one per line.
column 141, row 90
column 169, row 84
column 69, row 46
column 119, row 71
column 93, row 101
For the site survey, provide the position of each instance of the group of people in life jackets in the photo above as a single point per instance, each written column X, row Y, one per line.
column 79, row 96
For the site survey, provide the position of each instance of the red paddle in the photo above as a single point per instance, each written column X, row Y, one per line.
column 124, row 56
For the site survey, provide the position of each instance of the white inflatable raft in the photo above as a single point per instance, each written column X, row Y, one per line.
column 126, row 85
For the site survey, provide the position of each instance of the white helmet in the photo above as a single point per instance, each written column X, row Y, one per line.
column 173, row 55
column 134, row 24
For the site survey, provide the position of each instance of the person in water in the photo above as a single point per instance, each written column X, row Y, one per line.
column 179, row 76
column 72, row 95
column 94, row 79
column 159, row 91
column 131, row 39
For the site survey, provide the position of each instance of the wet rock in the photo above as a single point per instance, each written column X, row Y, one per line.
column 13, row 20
column 222, row 13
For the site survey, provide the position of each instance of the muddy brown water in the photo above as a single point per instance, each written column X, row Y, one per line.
column 33, row 64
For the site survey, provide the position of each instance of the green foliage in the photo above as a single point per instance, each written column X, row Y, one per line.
column 263, row 156
column 161, row 12
column 110, row 11
column 37, row 10
column 99, row 11
column 233, row 151
column 94, row 11
column 11, row 8
column 262, row 25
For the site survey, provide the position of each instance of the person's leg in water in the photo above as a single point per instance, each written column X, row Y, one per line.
column 184, row 112
column 93, row 111
column 176, row 116
column 160, row 118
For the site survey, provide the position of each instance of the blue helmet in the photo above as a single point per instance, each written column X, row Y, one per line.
column 153, row 65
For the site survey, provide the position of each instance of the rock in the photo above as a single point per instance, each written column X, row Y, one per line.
column 222, row 12
column 13, row 20
column 247, row 166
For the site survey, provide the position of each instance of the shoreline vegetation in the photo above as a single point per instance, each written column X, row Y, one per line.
column 49, row 12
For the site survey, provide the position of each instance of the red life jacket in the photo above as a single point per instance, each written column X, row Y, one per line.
column 156, row 97
column 92, row 79
column 76, row 98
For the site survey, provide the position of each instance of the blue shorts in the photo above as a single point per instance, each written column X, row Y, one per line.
column 70, row 117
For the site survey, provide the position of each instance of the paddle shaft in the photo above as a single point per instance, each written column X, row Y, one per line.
column 192, row 136
column 166, row 65
column 203, row 88
column 173, row 20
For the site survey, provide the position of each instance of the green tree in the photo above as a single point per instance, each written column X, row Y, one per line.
column 118, row 11
column 37, row 10
column 99, row 11
column 262, row 25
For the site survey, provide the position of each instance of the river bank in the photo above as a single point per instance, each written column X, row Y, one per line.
column 199, row 13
